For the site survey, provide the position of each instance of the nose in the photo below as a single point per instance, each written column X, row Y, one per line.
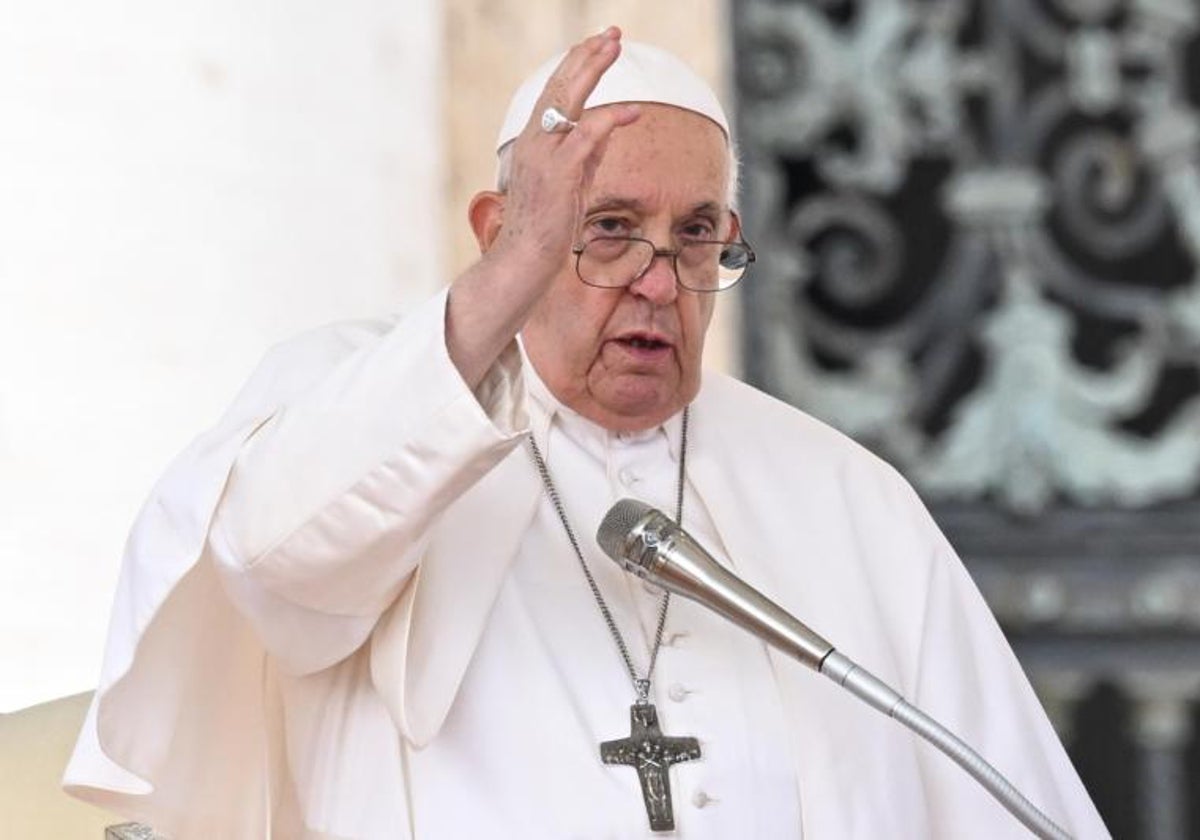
column 657, row 283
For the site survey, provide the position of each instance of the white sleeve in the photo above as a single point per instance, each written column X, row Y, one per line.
column 324, row 513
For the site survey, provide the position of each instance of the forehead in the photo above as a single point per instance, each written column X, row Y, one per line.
column 667, row 154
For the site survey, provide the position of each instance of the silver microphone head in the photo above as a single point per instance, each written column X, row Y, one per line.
column 635, row 535
column 620, row 521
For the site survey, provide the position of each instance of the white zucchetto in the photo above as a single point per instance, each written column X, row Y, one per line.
column 642, row 73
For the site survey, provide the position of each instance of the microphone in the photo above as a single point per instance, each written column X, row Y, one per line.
column 646, row 542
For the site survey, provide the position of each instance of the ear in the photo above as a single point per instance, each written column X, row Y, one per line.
column 486, row 215
column 735, row 227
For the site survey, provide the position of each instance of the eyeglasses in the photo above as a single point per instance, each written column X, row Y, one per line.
column 613, row 262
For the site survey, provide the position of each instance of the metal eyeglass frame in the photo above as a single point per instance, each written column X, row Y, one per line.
column 673, row 253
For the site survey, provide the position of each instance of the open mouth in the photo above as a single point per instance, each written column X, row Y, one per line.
column 638, row 342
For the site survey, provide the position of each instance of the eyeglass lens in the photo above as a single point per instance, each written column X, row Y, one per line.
column 700, row 266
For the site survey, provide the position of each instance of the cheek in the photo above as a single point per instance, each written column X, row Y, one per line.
column 696, row 319
column 553, row 313
column 707, row 307
column 568, row 323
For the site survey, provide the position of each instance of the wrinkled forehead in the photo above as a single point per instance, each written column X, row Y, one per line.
column 642, row 73
column 668, row 153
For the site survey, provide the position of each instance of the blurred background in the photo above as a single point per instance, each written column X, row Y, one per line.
column 978, row 224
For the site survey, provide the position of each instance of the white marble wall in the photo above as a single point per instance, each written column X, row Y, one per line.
column 181, row 185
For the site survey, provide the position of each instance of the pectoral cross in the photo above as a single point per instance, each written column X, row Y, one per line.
column 652, row 753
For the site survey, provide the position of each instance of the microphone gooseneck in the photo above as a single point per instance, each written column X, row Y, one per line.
column 647, row 543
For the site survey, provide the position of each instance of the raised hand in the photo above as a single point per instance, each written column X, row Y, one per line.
column 526, row 234
column 551, row 171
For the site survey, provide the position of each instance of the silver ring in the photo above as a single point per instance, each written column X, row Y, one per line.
column 554, row 120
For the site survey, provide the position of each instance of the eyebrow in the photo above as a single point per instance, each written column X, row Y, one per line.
column 621, row 203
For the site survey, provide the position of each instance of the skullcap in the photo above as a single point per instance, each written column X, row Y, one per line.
column 641, row 73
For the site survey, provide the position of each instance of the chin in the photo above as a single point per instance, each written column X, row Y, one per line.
column 636, row 415
column 634, row 403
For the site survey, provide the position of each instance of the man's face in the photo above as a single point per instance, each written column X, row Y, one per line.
column 630, row 358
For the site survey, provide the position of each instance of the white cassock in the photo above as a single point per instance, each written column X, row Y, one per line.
column 350, row 611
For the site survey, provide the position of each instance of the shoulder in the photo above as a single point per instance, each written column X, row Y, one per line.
column 759, row 435
column 764, row 423
column 757, row 407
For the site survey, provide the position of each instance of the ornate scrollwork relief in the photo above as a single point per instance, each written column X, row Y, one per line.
column 980, row 234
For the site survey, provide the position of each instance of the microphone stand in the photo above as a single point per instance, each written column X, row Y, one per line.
column 876, row 693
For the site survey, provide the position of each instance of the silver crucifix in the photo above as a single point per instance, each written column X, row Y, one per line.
column 652, row 753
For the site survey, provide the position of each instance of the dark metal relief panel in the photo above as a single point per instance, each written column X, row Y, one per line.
column 979, row 235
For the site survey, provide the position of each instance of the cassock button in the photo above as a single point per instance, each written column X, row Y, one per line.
column 628, row 477
column 678, row 692
column 701, row 799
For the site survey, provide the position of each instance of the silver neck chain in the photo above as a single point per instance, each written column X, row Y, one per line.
column 640, row 684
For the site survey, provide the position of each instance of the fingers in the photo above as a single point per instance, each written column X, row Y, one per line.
column 577, row 74
column 568, row 89
column 551, row 172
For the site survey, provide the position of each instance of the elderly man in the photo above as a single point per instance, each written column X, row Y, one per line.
column 367, row 605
